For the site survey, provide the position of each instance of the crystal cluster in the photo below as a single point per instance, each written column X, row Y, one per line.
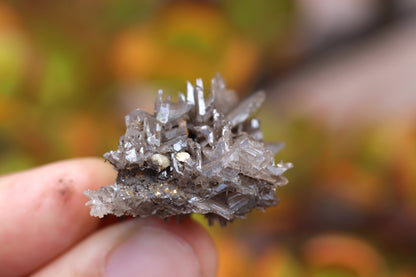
column 198, row 155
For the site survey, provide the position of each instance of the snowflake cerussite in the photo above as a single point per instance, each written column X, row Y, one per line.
column 198, row 155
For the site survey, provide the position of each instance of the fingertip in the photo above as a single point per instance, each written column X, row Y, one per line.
column 153, row 251
column 140, row 247
column 201, row 242
column 91, row 172
column 187, row 233
column 47, row 200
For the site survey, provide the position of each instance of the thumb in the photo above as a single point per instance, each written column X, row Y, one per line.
column 140, row 247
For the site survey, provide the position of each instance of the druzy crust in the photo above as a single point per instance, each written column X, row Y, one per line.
column 198, row 155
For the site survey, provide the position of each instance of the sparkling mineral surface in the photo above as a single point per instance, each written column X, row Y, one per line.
column 202, row 155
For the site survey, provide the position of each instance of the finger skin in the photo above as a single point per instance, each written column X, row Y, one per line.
column 91, row 256
column 43, row 212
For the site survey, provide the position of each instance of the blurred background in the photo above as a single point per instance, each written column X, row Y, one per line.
column 340, row 77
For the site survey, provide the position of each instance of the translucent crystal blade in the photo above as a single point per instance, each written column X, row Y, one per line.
column 190, row 94
column 240, row 113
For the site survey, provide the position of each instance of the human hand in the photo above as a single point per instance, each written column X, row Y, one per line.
column 46, row 230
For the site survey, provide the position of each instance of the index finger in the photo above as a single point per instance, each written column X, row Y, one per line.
column 43, row 212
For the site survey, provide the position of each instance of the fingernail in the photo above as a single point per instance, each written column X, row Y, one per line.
column 152, row 251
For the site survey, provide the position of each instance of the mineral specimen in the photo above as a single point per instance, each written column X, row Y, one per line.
column 198, row 155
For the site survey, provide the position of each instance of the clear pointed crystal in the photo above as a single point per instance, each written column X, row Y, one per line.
column 240, row 113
